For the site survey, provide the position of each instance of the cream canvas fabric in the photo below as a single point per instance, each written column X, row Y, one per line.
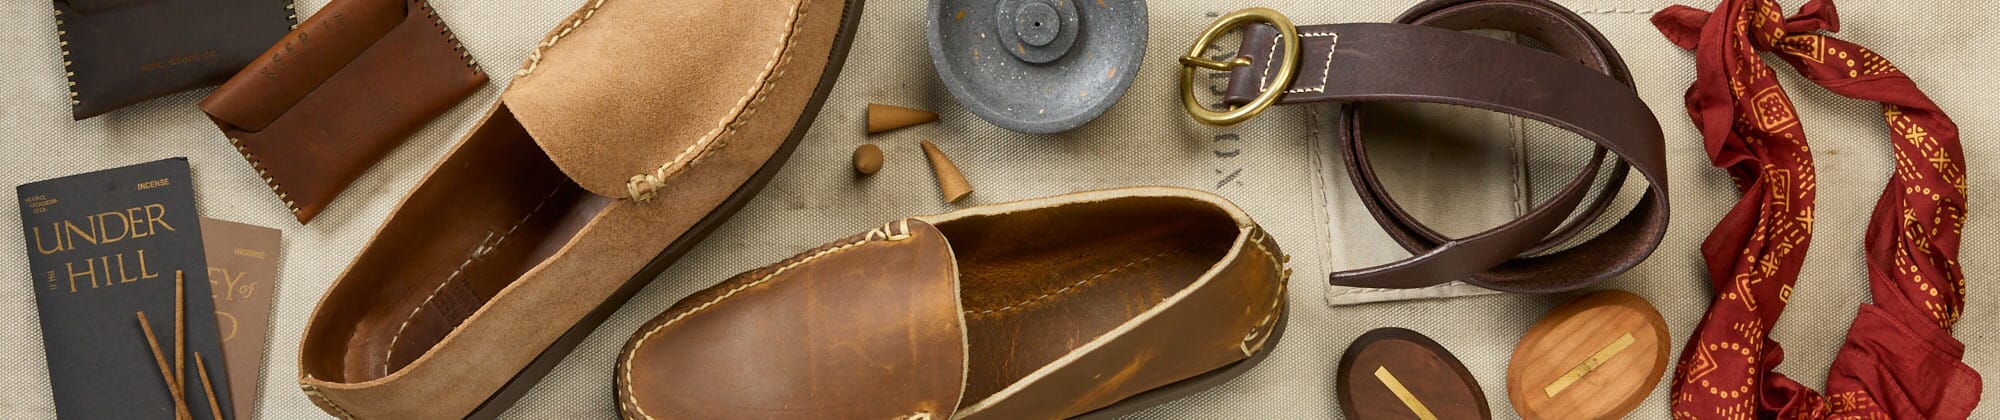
column 1277, row 167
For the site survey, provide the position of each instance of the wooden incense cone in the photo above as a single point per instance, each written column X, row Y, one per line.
column 889, row 117
column 867, row 159
column 950, row 181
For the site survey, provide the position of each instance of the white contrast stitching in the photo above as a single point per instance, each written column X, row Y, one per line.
column 1284, row 280
column 1617, row 10
column 477, row 252
column 632, row 399
column 642, row 186
column 1264, row 82
column 1325, row 70
column 888, row 231
column 1024, row 303
column 1352, row 290
column 312, row 392
column 535, row 57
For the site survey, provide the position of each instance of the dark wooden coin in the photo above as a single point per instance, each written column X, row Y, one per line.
column 1595, row 357
column 1394, row 373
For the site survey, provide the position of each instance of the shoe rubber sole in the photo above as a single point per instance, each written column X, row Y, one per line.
column 1192, row 385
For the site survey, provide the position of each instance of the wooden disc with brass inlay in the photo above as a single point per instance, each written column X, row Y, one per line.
column 1394, row 373
column 1595, row 357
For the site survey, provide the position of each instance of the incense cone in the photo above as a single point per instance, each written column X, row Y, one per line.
column 889, row 117
column 867, row 159
column 950, row 181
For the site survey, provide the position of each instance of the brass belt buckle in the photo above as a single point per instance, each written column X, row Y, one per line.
column 1264, row 99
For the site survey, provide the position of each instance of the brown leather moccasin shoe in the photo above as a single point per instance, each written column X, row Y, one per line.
column 631, row 131
column 1092, row 304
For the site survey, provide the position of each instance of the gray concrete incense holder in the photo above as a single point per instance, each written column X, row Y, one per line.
column 1037, row 66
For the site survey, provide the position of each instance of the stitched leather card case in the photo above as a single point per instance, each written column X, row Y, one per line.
column 337, row 94
column 121, row 52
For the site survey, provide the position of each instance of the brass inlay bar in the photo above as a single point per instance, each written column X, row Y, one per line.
column 1588, row 365
column 1396, row 387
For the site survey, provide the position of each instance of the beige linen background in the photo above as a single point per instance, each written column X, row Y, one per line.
column 1275, row 167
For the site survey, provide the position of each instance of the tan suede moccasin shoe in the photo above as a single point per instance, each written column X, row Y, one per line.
column 606, row 159
column 1092, row 305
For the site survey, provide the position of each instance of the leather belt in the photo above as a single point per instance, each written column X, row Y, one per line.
column 1579, row 84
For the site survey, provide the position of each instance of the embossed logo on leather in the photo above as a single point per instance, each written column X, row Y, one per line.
column 178, row 60
column 300, row 39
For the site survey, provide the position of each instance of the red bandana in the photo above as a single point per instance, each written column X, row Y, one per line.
column 1900, row 360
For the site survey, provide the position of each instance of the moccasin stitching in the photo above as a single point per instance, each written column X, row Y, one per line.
column 642, row 186
column 481, row 251
column 324, row 402
column 535, row 57
column 1258, row 332
column 631, row 397
column 1023, row 304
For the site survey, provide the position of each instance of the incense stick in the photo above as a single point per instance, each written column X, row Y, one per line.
column 180, row 403
column 214, row 410
column 180, row 327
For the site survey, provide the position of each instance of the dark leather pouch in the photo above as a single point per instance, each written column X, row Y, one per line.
column 121, row 52
column 330, row 99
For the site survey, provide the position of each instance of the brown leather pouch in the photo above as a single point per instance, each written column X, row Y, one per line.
column 334, row 96
column 121, row 52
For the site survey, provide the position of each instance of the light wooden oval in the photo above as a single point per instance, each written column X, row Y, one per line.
column 1574, row 332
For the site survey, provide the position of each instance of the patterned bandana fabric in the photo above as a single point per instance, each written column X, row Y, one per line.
column 1899, row 360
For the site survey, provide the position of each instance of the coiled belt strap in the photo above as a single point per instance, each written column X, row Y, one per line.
column 1580, row 85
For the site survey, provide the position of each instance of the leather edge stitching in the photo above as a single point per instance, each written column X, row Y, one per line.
column 1284, row 280
column 69, row 75
column 642, row 186
column 535, row 56
column 1617, row 10
column 388, row 355
column 313, row 393
column 269, row 180
column 1263, row 82
column 631, row 399
column 450, row 38
column 1079, row 283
